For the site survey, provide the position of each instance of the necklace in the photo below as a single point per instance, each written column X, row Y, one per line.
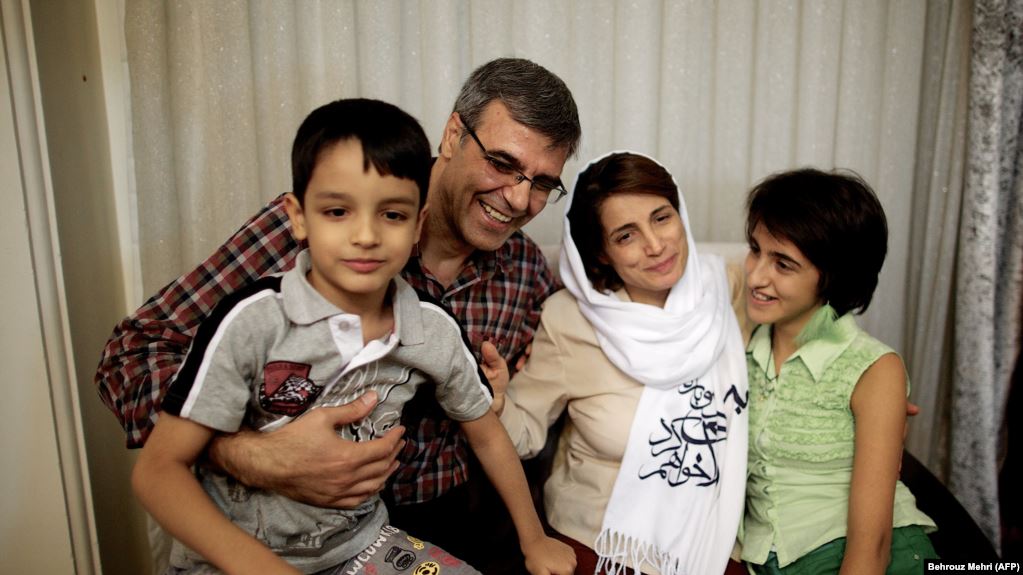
column 771, row 372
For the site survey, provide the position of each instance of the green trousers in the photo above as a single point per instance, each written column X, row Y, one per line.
column 911, row 548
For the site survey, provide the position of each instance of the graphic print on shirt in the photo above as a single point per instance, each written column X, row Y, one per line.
column 685, row 449
column 286, row 388
column 392, row 394
column 286, row 541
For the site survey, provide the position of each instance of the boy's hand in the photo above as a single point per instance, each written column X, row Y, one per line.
column 496, row 370
column 307, row 461
column 548, row 556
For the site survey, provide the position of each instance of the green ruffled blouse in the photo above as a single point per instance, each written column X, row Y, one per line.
column 802, row 437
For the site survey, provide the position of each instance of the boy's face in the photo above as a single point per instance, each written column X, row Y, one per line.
column 360, row 226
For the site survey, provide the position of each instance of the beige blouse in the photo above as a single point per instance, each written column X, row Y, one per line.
column 567, row 369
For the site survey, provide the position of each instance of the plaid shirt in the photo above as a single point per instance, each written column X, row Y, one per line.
column 498, row 296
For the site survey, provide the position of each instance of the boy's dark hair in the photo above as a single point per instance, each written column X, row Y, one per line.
column 392, row 141
column 614, row 174
column 534, row 96
column 838, row 223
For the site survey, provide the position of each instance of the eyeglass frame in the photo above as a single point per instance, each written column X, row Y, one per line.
column 506, row 168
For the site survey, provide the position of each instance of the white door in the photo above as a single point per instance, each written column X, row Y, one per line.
column 34, row 532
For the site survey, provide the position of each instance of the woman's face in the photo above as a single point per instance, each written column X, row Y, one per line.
column 645, row 243
column 781, row 282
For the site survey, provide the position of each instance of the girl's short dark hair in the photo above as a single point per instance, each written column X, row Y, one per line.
column 618, row 173
column 838, row 223
column 392, row 141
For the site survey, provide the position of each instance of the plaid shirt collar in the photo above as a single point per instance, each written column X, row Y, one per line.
column 479, row 266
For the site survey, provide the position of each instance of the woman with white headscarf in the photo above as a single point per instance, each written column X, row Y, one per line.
column 644, row 351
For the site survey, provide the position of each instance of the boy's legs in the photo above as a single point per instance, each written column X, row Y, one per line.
column 395, row 552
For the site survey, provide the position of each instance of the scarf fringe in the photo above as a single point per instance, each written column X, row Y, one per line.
column 616, row 551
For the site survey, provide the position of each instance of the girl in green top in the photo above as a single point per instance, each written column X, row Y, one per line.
column 827, row 401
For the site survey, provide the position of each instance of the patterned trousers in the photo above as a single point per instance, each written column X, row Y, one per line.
column 395, row 552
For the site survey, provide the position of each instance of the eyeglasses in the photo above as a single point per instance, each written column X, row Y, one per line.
column 540, row 186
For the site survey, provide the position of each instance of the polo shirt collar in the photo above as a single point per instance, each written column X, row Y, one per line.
column 408, row 315
column 304, row 305
column 817, row 354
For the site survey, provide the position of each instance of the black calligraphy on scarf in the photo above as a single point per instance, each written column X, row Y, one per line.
column 685, row 449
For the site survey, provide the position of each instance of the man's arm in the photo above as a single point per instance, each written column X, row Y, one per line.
column 143, row 354
column 307, row 461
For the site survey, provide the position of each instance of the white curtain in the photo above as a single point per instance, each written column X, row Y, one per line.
column 934, row 227
column 723, row 93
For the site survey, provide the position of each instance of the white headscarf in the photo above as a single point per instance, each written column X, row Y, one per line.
column 678, row 497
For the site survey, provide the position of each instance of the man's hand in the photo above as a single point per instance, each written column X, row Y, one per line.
column 912, row 410
column 307, row 461
column 496, row 370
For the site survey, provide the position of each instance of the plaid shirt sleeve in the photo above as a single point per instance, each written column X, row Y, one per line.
column 144, row 352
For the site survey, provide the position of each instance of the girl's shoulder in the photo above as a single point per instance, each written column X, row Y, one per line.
column 867, row 356
column 869, row 349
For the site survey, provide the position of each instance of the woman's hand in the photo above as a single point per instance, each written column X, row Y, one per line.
column 548, row 556
column 496, row 369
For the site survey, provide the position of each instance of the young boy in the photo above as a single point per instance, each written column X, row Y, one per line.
column 337, row 325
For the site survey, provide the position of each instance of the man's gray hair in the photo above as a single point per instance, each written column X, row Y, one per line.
column 534, row 96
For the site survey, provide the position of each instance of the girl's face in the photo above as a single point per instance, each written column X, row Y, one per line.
column 781, row 283
column 645, row 243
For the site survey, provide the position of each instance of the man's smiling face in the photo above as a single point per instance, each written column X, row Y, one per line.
column 479, row 205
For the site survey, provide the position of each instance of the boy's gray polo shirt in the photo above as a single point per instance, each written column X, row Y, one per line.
column 277, row 348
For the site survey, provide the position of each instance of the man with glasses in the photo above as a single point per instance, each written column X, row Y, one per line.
column 500, row 158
